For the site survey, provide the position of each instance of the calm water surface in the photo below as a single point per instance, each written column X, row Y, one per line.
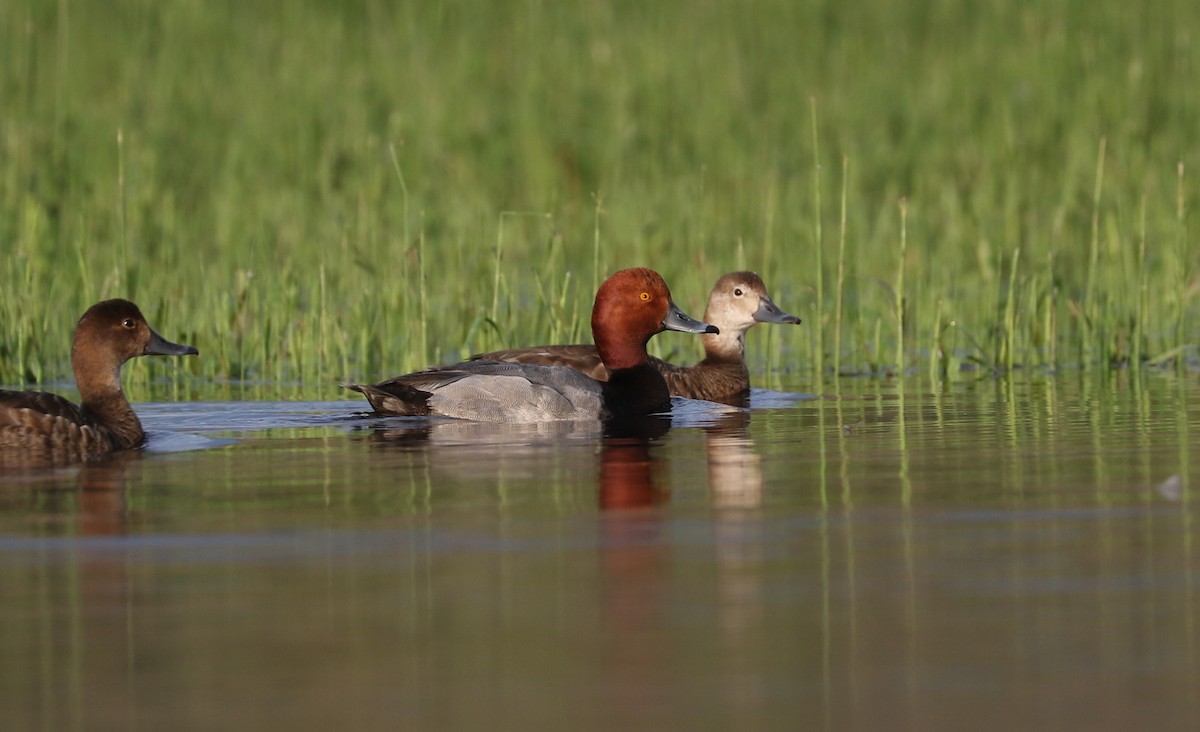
column 877, row 556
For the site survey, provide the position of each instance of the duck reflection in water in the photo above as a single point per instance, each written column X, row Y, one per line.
column 548, row 452
column 628, row 470
column 86, row 499
column 101, row 509
column 734, row 469
column 444, row 456
column 636, row 560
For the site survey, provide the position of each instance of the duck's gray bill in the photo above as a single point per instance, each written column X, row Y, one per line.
column 159, row 346
column 769, row 312
column 678, row 320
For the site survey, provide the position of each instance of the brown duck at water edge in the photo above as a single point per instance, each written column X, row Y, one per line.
column 37, row 426
column 738, row 302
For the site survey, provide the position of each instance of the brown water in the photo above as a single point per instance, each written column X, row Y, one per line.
column 881, row 557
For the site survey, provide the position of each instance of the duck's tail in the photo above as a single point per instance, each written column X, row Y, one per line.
column 394, row 399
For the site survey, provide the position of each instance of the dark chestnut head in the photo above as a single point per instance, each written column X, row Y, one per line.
column 631, row 306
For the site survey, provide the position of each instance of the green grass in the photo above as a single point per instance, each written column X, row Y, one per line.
column 315, row 191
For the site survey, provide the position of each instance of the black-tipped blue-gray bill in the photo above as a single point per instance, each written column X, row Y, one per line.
column 159, row 346
column 769, row 312
column 678, row 320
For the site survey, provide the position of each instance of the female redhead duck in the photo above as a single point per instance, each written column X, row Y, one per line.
column 631, row 306
column 738, row 302
column 34, row 423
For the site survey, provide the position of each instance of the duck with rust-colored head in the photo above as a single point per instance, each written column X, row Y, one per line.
column 631, row 306
column 738, row 302
column 34, row 423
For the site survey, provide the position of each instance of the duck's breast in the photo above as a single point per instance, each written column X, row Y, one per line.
column 715, row 382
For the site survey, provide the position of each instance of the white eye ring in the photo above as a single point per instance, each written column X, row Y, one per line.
column 737, row 292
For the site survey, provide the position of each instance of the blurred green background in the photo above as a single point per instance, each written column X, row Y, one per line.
column 315, row 191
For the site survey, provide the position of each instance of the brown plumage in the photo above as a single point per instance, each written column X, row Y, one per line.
column 38, row 427
column 738, row 302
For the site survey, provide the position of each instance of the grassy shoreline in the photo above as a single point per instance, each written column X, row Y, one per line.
column 328, row 191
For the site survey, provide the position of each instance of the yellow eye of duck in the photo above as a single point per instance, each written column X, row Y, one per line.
column 645, row 297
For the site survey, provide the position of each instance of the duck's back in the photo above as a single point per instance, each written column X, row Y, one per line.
column 582, row 357
column 42, row 425
column 713, row 379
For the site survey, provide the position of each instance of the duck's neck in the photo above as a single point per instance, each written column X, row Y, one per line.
column 622, row 353
column 636, row 390
column 728, row 345
column 104, row 402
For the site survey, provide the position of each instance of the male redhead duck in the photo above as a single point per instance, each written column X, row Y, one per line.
column 738, row 302
column 46, row 425
column 631, row 306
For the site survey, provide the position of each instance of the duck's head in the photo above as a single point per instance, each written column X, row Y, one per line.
column 112, row 332
column 740, row 300
column 631, row 306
